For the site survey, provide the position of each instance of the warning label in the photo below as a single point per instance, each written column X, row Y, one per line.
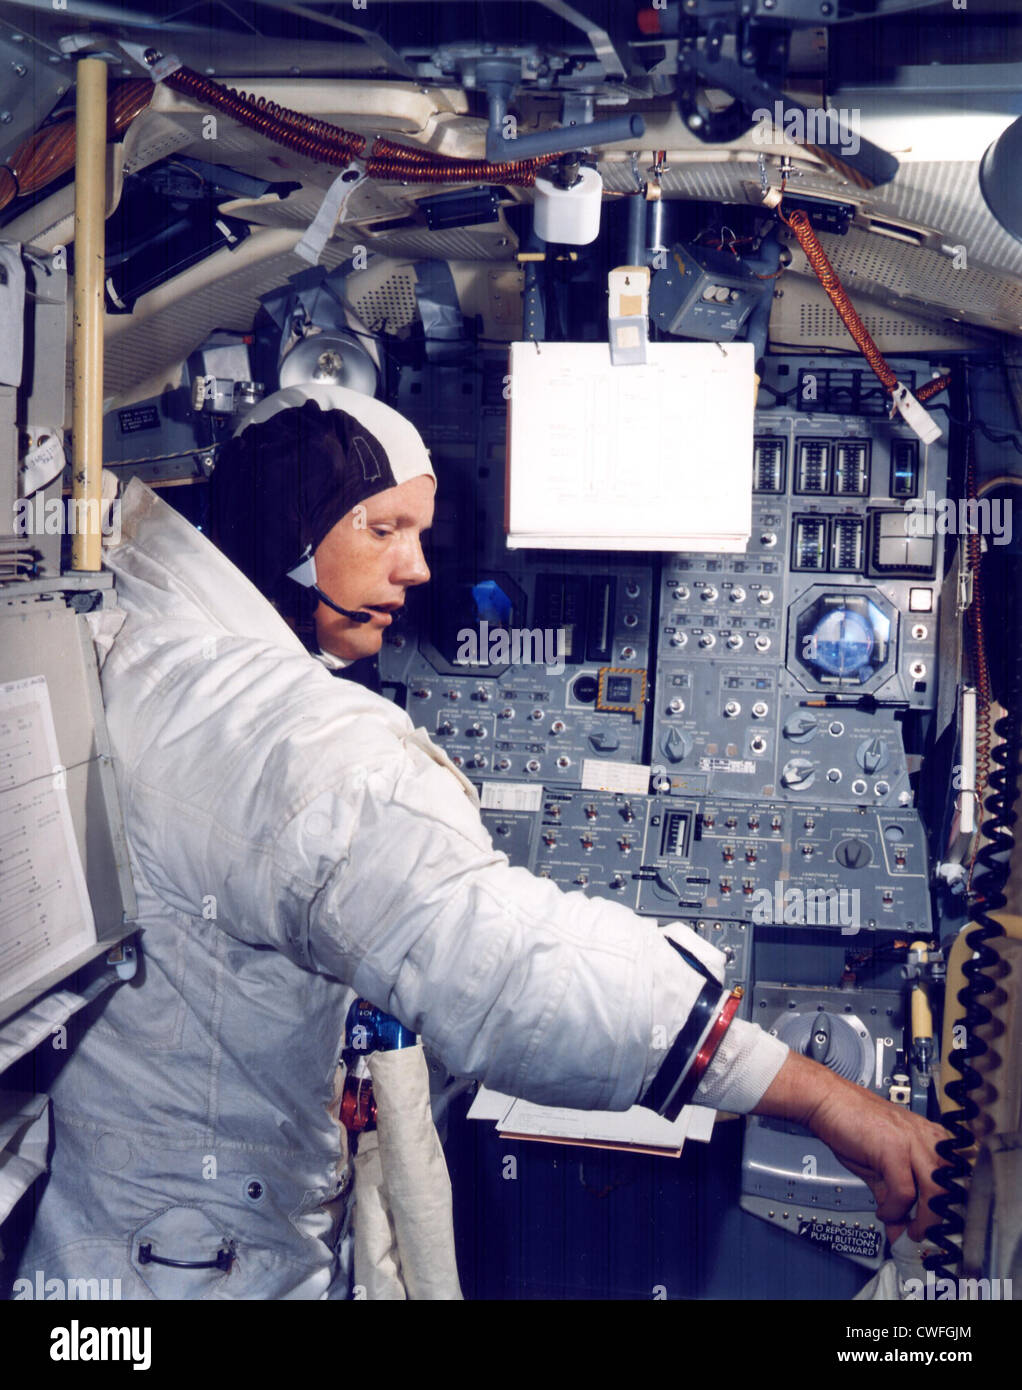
column 855, row 1241
column 726, row 765
column 138, row 417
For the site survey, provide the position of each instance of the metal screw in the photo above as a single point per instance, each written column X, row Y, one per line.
column 19, row 69
column 5, row 118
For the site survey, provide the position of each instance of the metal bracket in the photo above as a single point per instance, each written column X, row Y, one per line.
column 702, row 69
column 499, row 78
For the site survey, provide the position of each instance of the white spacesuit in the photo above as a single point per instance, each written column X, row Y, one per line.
column 293, row 840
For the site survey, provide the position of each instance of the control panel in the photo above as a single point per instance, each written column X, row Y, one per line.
column 755, row 703
column 525, row 675
column 598, row 843
column 783, row 672
column 836, row 870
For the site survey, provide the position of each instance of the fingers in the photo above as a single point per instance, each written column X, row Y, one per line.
column 904, row 1159
column 898, row 1187
column 928, row 1191
column 908, row 1186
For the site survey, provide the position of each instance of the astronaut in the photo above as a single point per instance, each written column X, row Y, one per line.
column 294, row 841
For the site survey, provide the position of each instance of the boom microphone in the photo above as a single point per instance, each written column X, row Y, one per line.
column 360, row 617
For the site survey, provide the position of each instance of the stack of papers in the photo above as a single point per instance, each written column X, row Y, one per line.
column 655, row 456
column 638, row 1129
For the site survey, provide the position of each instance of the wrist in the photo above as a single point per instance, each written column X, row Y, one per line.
column 799, row 1091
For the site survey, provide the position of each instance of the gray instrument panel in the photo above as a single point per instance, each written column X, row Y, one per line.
column 779, row 670
column 776, row 679
column 837, row 870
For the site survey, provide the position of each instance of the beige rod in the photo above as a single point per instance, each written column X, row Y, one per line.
column 90, row 230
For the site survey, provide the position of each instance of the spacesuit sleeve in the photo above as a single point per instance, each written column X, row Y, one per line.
column 554, row 997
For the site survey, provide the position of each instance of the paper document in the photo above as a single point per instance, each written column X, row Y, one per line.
column 637, row 1127
column 655, row 456
column 45, row 914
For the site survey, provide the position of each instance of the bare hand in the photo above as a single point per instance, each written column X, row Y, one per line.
column 891, row 1149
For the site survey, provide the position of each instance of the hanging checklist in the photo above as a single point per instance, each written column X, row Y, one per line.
column 651, row 456
column 45, row 914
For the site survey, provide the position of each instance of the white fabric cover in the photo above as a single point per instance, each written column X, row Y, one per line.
column 416, row 1182
column 406, row 453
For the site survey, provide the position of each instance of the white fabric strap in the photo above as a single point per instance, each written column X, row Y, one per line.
column 321, row 228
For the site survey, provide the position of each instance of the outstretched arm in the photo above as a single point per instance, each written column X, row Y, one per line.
column 891, row 1149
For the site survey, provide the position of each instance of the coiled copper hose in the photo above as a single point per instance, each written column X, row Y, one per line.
column 521, row 175
column 386, row 149
column 303, row 134
column 828, row 277
column 50, row 152
column 330, row 144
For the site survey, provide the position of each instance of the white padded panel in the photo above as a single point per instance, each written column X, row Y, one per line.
column 804, row 317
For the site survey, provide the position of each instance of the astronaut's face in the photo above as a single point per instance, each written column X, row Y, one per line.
column 368, row 561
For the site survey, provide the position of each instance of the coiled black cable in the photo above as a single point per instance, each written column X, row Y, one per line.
column 1003, row 790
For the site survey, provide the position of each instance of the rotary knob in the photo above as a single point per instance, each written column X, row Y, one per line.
column 675, row 745
column 798, row 774
column 800, row 726
column 872, row 755
column 854, row 853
